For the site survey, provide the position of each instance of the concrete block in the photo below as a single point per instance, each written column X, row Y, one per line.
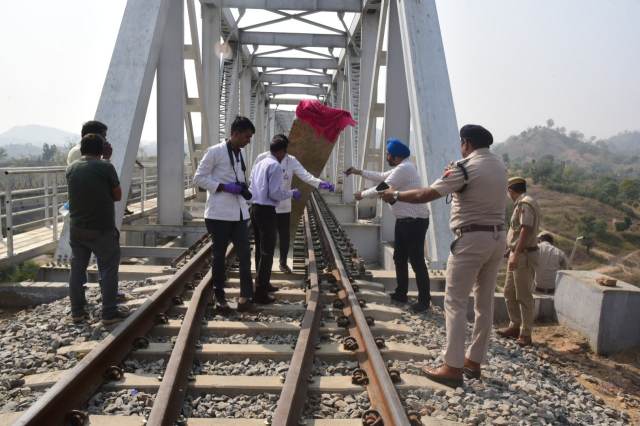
column 607, row 316
column 436, row 276
column 24, row 294
column 364, row 237
column 345, row 213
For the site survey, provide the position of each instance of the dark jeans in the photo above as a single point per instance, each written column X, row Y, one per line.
column 237, row 232
column 409, row 246
column 106, row 247
column 284, row 235
column 264, row 221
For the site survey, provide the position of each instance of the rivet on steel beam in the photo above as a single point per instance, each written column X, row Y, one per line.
column 359, row 377
column 395, row 376
column 349, row 343
column 362, row 303
column 370, row 321
column 343, row 321
column 380, row 342
column 372, row 417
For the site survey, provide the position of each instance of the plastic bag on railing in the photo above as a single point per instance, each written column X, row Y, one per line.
column 64, row 210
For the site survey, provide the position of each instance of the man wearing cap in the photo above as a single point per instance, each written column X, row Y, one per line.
column 475, row 184
column 551, row 259
column 522, row 246
column 412, row 221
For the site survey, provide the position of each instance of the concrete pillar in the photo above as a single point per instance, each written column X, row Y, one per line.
column 170, row 85
column 211, row 26
column 432, row 112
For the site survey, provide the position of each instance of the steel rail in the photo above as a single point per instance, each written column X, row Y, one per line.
column 82, row 381
column 382, row 393
column 292, row 399
column 170, row 396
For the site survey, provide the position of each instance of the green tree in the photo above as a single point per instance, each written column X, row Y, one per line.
column 49, row 152
column 505, row 158
column 550, row 123
column 630, row 190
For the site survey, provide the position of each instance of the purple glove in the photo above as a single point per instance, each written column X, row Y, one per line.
column 327, row 185
column 296, row 194
column 232, row 188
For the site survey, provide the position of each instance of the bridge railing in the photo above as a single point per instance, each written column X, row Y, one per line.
column 23, row 209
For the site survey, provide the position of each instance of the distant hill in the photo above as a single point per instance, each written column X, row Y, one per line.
column 625, row 143
column 614, row 156
column 37, row 136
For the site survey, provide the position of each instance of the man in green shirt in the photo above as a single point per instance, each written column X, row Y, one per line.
column 93, row 187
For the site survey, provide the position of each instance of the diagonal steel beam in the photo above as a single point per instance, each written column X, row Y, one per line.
column 316, row 5
column 293, row 39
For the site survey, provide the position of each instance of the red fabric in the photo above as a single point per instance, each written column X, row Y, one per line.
column 327, row 121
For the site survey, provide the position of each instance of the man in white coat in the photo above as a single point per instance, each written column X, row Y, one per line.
column 290, row 166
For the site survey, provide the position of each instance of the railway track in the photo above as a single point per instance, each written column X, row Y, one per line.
column 181, row 353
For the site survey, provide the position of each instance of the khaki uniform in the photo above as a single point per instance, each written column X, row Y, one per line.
column 550, row 260
column 518, row 290
column 475, row 257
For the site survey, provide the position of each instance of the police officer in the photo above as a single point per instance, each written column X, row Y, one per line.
column 522, row 248
column 475, row 185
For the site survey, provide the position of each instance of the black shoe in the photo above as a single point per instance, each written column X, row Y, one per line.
column 121, row 313
column 419, row 307
column 247, row 306
column 79, row 318
column 221, row 304
column 272, row 289
column 398, row 298
column 127, row 212
column 285, row 268
column 264, row 299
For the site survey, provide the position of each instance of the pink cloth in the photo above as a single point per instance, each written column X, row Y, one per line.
column 327, row 121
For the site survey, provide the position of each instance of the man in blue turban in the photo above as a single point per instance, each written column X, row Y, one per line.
column 412, row 221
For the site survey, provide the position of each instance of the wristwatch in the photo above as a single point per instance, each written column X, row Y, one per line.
column 396, row 194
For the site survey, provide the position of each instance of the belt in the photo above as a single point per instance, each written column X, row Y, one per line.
column 529, row 249
column 545, row 290
column 411, row 219
column 478, row 228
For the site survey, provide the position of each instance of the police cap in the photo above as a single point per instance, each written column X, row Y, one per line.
column 478, row 136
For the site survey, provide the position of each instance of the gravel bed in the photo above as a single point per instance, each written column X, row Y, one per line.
column 30, row 338
column 259, row 406
column 518, row 387
column 336, row 406
column 244, row 368
column 233, row 315
column 342, row 368
column 288, row 339
column 144, row 367
column 129, row 402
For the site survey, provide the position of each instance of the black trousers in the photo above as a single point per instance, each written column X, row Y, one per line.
column 264, row 222
column 222, row 232
column 410, row 234
column 282, row 220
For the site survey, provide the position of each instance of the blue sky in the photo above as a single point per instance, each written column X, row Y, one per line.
column 512, row 64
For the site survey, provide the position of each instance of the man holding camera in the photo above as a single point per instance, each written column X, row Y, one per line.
column 222, row 173
column 412, row 221
column 268, row 192
column 93, row 188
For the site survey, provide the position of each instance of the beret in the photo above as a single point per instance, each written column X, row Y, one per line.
column 478, row 134
column 397, row 149
column 516, row 179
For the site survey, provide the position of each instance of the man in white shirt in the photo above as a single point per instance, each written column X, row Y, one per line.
column 222, row 173
column 412, row 222
column 550, row 260
column 268, row 191
column 290, row 166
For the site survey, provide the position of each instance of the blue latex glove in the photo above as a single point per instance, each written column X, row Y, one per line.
column 327, row 185
column 232, row 188
column 296, row 194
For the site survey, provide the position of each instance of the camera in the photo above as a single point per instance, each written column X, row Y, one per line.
column 245, row 193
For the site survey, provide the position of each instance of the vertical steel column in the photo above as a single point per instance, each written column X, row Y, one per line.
column 55, row 206
column 432, row 110
column 211, row 25
column 232, row 101
column 170, row 84
column 8, row 211
column 143, row 189
column 347, row 186
column 245, row 92
column 397, row 118
column 47, row 212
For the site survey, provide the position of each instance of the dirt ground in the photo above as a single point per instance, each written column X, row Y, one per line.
column 615, row 378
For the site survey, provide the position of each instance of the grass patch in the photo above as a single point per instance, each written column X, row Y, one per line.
column 27, row 271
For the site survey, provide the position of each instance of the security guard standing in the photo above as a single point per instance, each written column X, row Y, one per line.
column 522, row 248
column 475, row 185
